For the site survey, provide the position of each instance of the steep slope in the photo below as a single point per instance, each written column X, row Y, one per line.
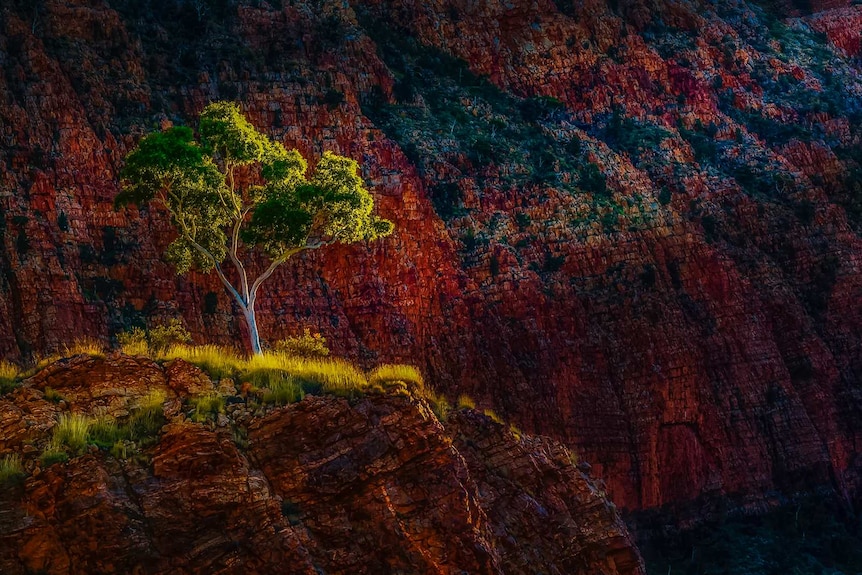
column 376, row 485
column 633, row 227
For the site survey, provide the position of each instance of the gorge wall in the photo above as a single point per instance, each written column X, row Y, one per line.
column 326, row 485
column 631, row 226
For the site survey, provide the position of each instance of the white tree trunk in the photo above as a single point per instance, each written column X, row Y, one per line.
column 253, row 335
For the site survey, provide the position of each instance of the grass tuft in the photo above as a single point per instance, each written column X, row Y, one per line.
column 51, row 394
column 9, row 376
column 11, row 469
column 86, row 346
column 439, row 405
column 282, row 390
column 206, row 407
column 51, row 456
column 466, row 402
column 71, row 431
column 391, row 372
column 104, row 433
column 147, row 417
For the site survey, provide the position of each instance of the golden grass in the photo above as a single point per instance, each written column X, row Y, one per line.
column 465, row 401
column 9, row 371
column 396, row 372
column 332, row 375
column 11, row 468
column 84, row 345
column 9, row 375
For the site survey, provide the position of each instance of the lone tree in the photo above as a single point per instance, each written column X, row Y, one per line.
column 237, row 193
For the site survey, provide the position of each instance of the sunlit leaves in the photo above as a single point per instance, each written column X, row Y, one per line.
column 275, row 207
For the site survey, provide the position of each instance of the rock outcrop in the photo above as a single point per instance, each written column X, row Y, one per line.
column 376, row 485
column 632, row 226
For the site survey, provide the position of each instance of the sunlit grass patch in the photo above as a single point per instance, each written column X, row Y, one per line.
column 396, row 372
column 466, row 402
column 9, row 376
column 11, row 468
column 84, row 345
column 218, row 362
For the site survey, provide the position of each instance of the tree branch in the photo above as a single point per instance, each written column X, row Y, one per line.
column 242, row 301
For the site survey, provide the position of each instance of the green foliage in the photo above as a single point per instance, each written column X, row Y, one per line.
column 305, row 345
column 52, row 395
column 11, row 469
column 105, row 433
column 196, row 182
column 134, row 342
column 161, row 337
column 439, row 405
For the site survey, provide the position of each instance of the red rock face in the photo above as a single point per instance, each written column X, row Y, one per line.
column 379, row 486
column 690, row 324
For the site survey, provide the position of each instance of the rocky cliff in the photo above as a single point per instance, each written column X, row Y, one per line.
column 632, row 226
column 326, row 485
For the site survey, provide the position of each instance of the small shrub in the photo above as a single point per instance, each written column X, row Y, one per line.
column 305, row 345
column 162, row 337
column 84, row 346
column 72, row 432
column 206, row 407
column 52, row 394
column 11, row 469
column 466, row 402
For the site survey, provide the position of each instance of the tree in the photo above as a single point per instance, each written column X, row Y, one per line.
column 237, row 195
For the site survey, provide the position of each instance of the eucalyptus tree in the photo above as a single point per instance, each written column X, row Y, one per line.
column 240, row 201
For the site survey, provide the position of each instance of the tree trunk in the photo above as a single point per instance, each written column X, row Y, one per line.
column 253, row 335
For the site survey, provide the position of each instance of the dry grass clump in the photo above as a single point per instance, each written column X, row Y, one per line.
column 71, row 432
column 206, row 407
column 86, row 346
column 11, row 468
column 466, row 402
column 389, row 372
column 10, row 374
